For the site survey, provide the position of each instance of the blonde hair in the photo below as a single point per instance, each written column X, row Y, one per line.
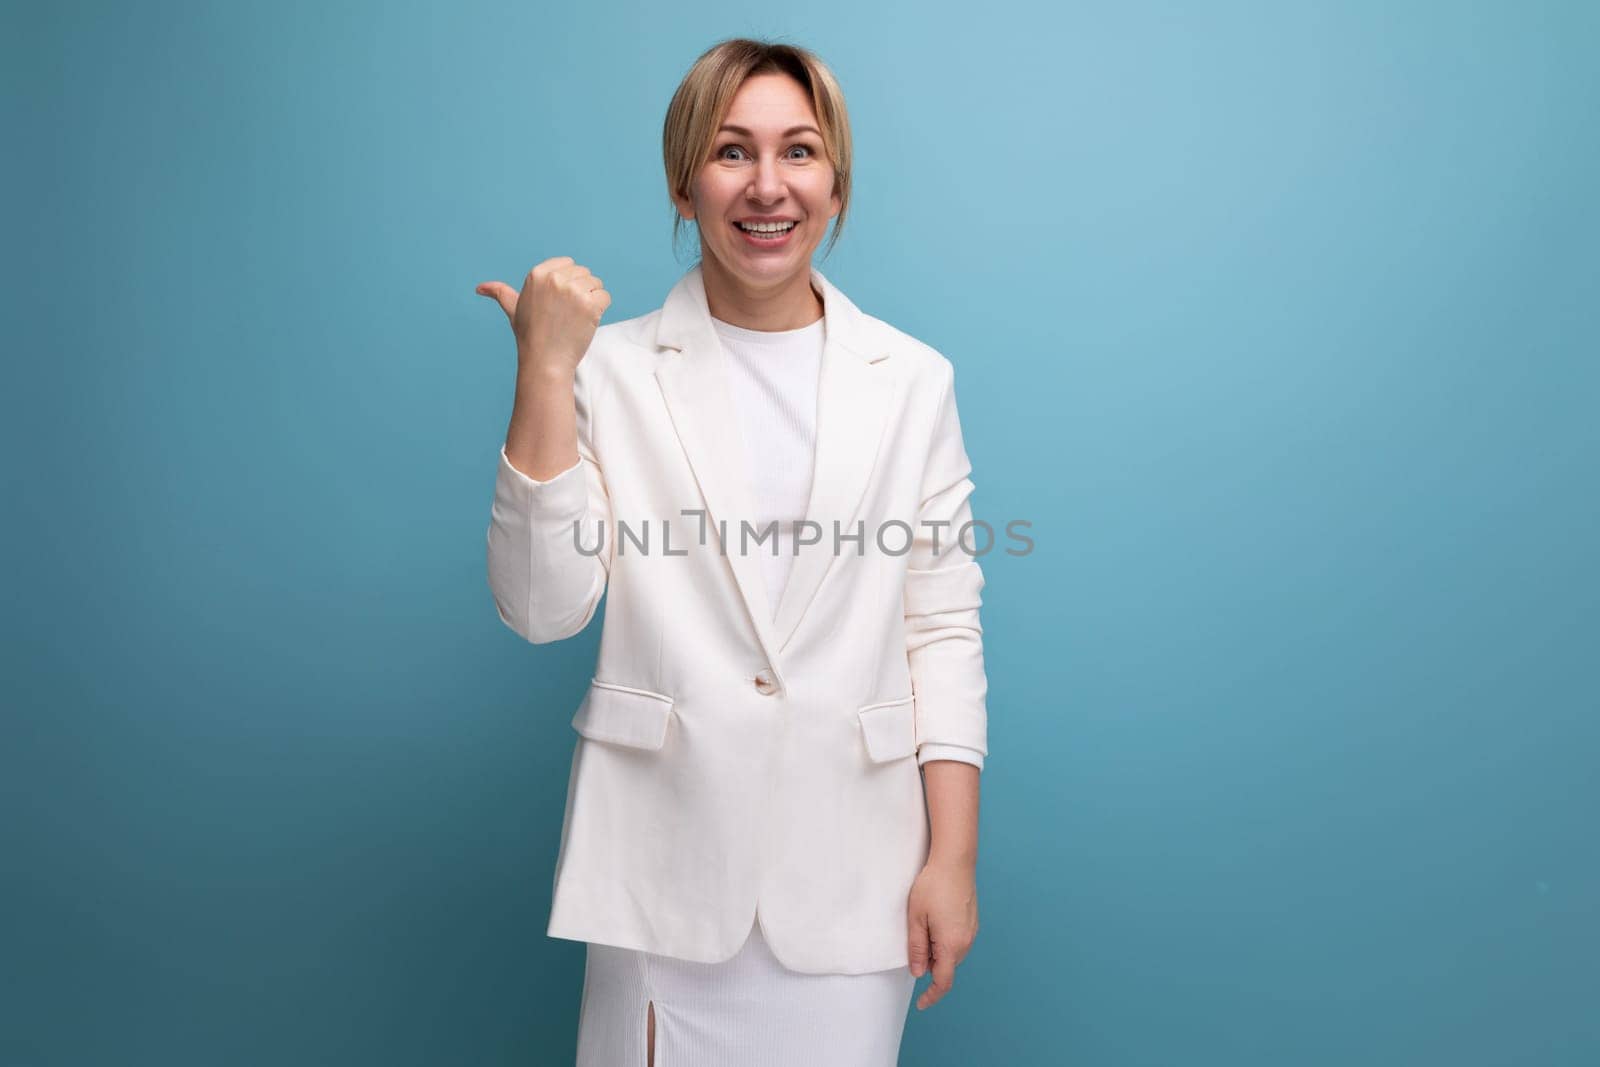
column 707, row 91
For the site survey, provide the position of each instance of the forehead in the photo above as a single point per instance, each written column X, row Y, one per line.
column 770, row 104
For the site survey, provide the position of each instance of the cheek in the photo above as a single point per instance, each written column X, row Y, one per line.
column 700, row 197
column 822, row 206
column 716, row 190
column 819, row 196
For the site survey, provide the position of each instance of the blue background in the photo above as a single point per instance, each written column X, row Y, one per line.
column 1277, row 321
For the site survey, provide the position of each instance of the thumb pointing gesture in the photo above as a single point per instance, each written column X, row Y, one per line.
column 502, row 294
column 556, row 313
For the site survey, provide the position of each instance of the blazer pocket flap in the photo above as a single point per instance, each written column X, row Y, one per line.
column 890, row 729
column 623, row 715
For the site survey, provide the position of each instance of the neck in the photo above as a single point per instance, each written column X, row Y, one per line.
column 787, row 304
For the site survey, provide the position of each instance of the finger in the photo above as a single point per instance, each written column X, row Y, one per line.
column 944, row 971
column 599, row 300
column 944, row 976
column 917, row 945
column 500, row 293
column 574, row 274
column 582, row 281
column 550, row 266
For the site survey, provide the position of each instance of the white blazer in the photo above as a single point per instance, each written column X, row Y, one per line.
column 731, row 757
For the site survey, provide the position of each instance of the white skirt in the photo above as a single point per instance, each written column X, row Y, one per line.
column 748, row 1011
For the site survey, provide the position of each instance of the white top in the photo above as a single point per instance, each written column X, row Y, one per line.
column 773, row 378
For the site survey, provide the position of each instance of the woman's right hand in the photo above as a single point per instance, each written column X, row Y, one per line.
column 556, row 314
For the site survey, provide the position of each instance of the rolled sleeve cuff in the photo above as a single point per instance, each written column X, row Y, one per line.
column 932, row 751
column 563, row 495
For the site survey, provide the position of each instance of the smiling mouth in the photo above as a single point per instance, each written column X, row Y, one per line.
column 765, row 229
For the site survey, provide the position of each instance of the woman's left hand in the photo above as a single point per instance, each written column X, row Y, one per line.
column 942, row 913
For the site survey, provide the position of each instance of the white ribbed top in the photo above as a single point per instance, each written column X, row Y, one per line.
column 773, row 376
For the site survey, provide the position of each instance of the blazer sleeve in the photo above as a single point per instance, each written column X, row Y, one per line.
column 944, row 642
column 959, row 753
column 550, row 547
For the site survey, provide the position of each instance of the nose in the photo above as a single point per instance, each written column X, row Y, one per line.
column 767, row 183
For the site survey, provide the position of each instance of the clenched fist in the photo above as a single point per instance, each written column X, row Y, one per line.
column 555, row 315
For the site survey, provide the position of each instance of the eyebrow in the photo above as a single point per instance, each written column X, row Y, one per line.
column 790, row 132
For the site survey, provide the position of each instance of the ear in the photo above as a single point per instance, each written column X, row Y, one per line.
column 685, row 206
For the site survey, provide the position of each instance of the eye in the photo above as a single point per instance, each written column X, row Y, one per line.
column 722, row 153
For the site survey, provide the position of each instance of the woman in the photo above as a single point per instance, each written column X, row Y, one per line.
column 759, row 866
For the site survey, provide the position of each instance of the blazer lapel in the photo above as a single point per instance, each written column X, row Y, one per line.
column 853, row 402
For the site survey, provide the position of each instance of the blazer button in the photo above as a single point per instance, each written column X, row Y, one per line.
column 766, row 684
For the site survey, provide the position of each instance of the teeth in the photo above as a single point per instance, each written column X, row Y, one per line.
column 766, row 227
